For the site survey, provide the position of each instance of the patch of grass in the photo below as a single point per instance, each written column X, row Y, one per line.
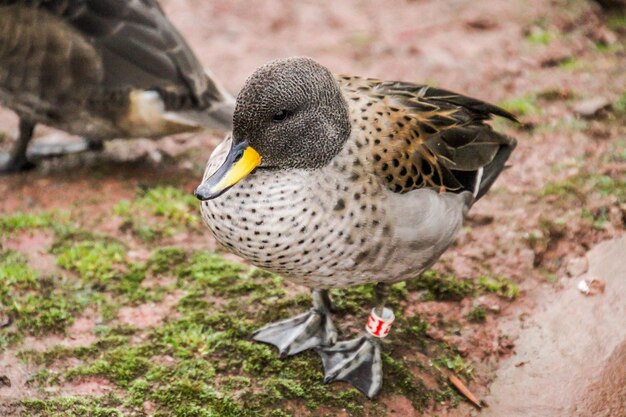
column 477, row 315
column 159, row 212
column 20, row 221
column 443, row 287
column 619, row 107
column 538, row 35
column 605, row 48
column 570, row 64
column 107, row 406
column 457, row 365
column 521, row 106
column 102, row 265
column 93, row 260
column 121, row 365
column 166, row 259
column 617, row 22
column 37, row 305
column 557, row 94
column 500, row 285
column 201, row 361
column 583, row 184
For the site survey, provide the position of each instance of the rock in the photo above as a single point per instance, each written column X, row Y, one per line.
column 577, row 266
column 593, row 107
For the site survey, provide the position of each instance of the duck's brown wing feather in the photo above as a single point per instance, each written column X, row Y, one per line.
column 429, row 137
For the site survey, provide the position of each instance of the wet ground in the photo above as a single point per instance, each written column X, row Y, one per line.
column 111, row 301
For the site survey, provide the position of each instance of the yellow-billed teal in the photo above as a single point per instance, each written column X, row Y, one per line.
column 334, row 181
column 101, row 69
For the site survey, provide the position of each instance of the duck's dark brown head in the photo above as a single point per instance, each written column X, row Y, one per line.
column 290, row 114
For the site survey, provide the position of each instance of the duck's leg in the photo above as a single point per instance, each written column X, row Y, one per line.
column 16, row 160
column 358, row 361
column 305, row 331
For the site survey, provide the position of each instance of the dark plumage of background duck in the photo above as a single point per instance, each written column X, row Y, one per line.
column 102, row 69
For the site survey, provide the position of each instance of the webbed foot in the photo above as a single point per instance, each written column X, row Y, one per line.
column 304, row 331
column 357, row 362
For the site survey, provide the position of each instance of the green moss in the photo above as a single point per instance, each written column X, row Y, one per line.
column 121, row 365
column 617, row 22
column 399, row 378
column 94, row 261
column 107, row 406
column 477, row 315
column 571, row 64
column 20, row 221
column 557, row 94
column 456, row 364
column 538, row 35
column 200, row 361
column 438, row 286
column 522, row 106
column 598, row 217
column 159, row 212
column 619, row 106
column 166, row 259
column 584, row 184
column 500, row 285
column 38, row 305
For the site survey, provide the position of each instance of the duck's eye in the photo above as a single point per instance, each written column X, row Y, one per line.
column 280, row 116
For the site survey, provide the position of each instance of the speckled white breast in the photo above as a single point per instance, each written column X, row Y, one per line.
column 326, row 228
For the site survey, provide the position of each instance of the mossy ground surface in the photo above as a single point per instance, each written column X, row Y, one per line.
column 200, row 360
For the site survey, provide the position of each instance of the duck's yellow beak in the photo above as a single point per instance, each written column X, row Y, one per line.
column 241, row 160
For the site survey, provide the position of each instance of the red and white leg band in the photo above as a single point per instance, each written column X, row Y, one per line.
column 379, row 326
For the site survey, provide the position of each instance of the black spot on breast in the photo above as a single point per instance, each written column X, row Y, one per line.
column 403, row 172
column 341, row 204
column 361, row 257
column 396, row 163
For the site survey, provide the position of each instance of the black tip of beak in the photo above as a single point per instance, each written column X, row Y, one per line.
column 202, row 193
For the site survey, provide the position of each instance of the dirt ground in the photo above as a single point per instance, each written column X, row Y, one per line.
column 112, row 302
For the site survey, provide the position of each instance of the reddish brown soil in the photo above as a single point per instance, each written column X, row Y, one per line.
column 475, row 47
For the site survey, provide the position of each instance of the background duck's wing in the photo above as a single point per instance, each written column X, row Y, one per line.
column 139, row 48
column 429, row 137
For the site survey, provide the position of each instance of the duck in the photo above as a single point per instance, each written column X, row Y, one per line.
column 101, row 69
column 333, row 181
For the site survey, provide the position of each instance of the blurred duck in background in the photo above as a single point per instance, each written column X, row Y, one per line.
column 101, row 69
